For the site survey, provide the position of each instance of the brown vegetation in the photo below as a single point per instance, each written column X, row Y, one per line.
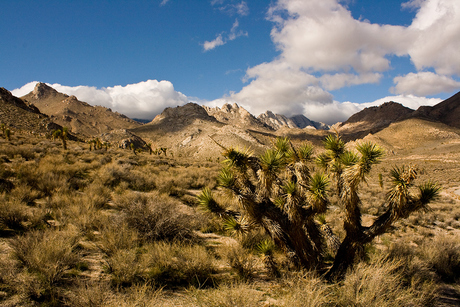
column 109, row 227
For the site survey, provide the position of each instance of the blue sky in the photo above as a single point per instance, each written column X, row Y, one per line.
column 325, row 59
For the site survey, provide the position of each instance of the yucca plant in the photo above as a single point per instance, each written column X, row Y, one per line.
column 400, row 203
column 62, row 135
column 266, row 248
column 273, row 192
column 279, row 193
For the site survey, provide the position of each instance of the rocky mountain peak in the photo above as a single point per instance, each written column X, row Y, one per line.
column 42, row 90
column 235, row 115
column 8, row 98
column 276, row 121
column 383, row 114
column 186, row 112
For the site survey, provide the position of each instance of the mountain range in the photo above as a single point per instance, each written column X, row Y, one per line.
column 199, row 131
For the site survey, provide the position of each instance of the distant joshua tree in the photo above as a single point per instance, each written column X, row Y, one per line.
column 133, row 148
column 62, row 135
column 149, row 147
column 7, row 133
column 279, row 192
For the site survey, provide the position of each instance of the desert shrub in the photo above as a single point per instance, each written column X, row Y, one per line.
column 413, row 269
column 111, row 175
column 176, row 264
column 233, row 295
column 5, row 185
column 306, row 290
column 13, row 215
column 89, row 293
column 443, row 256
column 25, row 194
column 117, row 236
column 97, row 195
column 140, row 295
column 8, row 273
column 381, row 284
column 26, row 152
column 48, row 253
column 82, row 215
column 240, row 260
column 125, row 267
column 46, row 258
column 162, row 263
column 160, row 218
column 140, row 181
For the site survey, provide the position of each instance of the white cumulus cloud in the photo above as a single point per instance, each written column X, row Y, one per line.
column 424, row 83
column 140, row 100
column 323, row 48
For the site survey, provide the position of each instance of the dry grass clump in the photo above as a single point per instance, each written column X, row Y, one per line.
column 162, row 263
column 117, row 235
column 443, row 257
column 231, row 295
column 13, row 215
column 48, row 260
column 102, row 295
column 381, row 284
column 113, row 174
column 159, row 217
column 240, row 260
column 306, row 290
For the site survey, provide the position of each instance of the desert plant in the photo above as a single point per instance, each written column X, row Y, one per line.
column 382, row 284
column 159, row 218
column 62, row 135
column 278, row 192
column 233, row 295
column 7, row 133
column 241, row 260
column 46, row 258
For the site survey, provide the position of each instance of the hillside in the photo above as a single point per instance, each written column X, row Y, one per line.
column 18, row 115
column 190, row 131
column 418, row 137
column 447, row 111
column 373, row 119
column 78, row 116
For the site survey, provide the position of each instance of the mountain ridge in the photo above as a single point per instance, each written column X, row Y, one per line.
column 79, row 116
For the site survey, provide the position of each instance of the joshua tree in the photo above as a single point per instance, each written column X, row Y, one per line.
column 133, row 148
column 63, row 135
column 149, row 147
column 278, row 192
column 7, row 133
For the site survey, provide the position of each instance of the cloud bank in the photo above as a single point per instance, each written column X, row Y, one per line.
column 323, row 48
column 141, row 100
